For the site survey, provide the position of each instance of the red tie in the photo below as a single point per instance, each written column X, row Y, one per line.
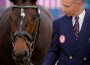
column 76, row 27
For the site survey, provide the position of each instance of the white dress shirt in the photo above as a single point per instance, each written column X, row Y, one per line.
column 81, row 19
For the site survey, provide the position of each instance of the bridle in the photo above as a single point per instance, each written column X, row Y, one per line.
column 32, row 39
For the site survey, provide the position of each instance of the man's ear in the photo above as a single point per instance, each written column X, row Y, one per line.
column 79, row 1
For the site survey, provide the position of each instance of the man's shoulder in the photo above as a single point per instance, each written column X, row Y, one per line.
column 61, row 19
column 87, row 11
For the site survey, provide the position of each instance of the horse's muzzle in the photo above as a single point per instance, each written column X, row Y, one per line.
column 20, row 57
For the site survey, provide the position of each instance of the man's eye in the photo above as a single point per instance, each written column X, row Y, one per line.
column 67, row 6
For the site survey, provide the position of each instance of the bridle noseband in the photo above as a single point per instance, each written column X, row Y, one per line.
column 24, row 34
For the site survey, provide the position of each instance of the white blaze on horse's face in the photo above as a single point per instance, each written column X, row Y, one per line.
column 22, row 15
column 22, row 12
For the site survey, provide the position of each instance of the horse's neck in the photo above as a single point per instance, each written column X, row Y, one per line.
column 6, row 12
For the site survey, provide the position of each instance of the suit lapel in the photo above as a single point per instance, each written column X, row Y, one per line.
column 68, row 30
column 85, row 28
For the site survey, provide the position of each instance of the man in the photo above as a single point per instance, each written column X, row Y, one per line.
column 70, row 43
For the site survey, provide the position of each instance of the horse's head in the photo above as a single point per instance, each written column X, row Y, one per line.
column 25, row 23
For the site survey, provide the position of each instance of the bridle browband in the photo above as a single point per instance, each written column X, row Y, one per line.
column 24, row 34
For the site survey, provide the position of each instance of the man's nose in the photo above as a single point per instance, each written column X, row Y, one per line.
column 63, row 9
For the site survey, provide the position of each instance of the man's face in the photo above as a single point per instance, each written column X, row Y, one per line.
column 69, row 7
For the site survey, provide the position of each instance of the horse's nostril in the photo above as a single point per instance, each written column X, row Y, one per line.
column 24, row 54
column 13, row 53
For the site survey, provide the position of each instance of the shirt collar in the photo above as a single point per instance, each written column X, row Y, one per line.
column 81, row 16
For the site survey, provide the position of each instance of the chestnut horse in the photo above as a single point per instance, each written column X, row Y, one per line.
column 30, row 27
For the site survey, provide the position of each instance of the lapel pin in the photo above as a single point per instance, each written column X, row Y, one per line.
column 62, row 39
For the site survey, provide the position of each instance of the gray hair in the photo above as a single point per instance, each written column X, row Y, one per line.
column 82, row 0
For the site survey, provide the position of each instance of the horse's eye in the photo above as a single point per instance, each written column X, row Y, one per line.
column 10, row 17
column 34, row 17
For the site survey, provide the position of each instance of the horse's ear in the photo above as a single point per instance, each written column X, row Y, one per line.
column 33, row 1
column 14, row 1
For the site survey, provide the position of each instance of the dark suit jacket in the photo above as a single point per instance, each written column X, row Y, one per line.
column 64, row 46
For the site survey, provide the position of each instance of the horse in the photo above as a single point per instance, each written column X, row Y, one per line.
column 29, row 27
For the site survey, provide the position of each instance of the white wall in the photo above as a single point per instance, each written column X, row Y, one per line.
column 50, row 4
